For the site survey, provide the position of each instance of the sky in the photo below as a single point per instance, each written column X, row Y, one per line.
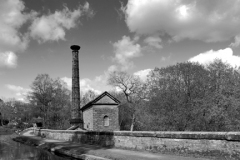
column 115, row 35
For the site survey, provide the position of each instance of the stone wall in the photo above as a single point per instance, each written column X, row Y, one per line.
column 88, row 119
column 99, row 111
column 217, row 144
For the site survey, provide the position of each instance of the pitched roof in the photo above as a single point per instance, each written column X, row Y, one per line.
column 114, row 101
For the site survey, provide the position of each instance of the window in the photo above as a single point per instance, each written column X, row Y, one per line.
column 106, row 121
column 88, row 125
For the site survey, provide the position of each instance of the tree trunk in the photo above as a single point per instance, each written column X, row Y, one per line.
column 1, row 120
column 45, row 117
column 133, row 122
column 44, row 120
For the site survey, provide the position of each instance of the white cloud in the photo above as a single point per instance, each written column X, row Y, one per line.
column 166, row 58
column 68, row 81
column 43, row 28
column 112, row 68
column 142, row 74
column 85, row 84
column 14, row 88
column 126, row 49
column 8, row 59
column 12, row 17
column 52, row 27
column 20, row 92
column 206, row 20
column 121, row 11
column 226, row 55
column 236, row 42
column 154, row 41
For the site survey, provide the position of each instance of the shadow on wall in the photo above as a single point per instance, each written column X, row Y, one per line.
column 92, row 140
column 101, row 138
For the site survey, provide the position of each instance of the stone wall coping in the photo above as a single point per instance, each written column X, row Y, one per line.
column 64, row 131
column 230, row 136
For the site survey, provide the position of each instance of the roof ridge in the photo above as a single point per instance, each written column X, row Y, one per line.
column 100, row 97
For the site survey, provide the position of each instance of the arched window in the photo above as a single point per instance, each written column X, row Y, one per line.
column 88, row 125
column 106, row 121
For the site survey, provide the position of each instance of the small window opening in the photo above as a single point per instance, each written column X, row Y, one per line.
column 106, row 121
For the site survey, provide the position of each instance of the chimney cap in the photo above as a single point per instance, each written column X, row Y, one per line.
column 75, row 47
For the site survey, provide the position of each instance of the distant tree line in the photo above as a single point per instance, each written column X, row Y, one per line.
column 182, row 97
column 49, row 99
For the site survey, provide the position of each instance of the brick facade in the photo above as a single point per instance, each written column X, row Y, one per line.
column 88, row 119
column 99, row 112
column 102, row 114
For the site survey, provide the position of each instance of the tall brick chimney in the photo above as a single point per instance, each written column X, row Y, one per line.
column 76, row 113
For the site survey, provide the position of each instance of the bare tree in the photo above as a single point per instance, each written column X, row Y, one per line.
column 87, row 97
column 131, row 86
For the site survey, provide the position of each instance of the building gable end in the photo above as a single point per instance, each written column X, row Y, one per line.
column 104, row 98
